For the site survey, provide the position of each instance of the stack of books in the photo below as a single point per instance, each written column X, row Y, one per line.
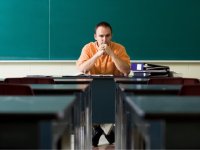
column 149, row 70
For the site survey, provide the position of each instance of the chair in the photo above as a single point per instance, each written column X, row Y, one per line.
column 174, row 80
column 30, row 80
column 190, row 90
column 190, row 81
column 167, row 80
column 15, row 89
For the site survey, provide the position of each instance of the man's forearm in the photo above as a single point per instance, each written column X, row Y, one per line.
column 121, row 65
column 87, row 65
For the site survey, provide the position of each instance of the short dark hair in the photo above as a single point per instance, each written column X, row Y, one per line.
column 104, row 24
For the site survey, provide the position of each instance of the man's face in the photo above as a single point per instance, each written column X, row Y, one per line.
column 103, row 35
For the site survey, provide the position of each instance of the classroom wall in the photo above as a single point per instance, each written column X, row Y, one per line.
column 59, row 68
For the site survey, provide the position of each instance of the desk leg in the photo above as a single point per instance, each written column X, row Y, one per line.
column 118, row 137
column 88, row 120
column 78, row 126
column 83, row 121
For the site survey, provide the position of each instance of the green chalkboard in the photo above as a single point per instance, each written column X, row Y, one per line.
column 58, row 29
column 24, row 29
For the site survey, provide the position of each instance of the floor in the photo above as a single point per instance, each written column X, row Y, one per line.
column 104, row 145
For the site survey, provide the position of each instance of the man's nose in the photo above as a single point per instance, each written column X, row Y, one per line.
column 104, row 39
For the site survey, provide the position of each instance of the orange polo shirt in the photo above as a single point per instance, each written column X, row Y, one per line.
column 104, row 64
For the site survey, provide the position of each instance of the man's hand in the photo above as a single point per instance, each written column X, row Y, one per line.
column 101, row 50
column 106, row 48
column 120, row 64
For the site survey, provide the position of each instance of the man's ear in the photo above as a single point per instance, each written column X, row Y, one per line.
column 95, row 36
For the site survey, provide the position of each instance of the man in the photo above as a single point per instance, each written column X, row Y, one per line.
column 103, row 57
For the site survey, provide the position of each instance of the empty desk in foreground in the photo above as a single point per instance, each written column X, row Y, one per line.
column 88, row 105
column 161, row 122
column 137, row 89
column 35, row 122
column 82, row 108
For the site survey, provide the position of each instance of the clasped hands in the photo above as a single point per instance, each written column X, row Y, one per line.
column 104, row 49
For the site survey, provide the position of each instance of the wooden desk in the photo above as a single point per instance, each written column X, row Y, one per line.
column 103, row 100
column 102, row 92
column 140, row 89
column 161, row 122
column 58, row 89
column 137, row 89
column 35, row 122
column 102, row 96
column 82, row 109
column 88, row 103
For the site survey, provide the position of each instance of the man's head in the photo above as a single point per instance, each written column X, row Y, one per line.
column 103, row 33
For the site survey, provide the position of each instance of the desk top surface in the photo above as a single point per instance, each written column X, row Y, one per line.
column 131, row 80
column 88, row 79
column 51, row 106
column 165, row 106
column 75, row 87
column 129, row 87
column 72, row 80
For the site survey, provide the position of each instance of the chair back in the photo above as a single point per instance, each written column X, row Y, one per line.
column 15, row 89
column 190, row 81
column 165, row 80
column 30, row 80
column 190, row 90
